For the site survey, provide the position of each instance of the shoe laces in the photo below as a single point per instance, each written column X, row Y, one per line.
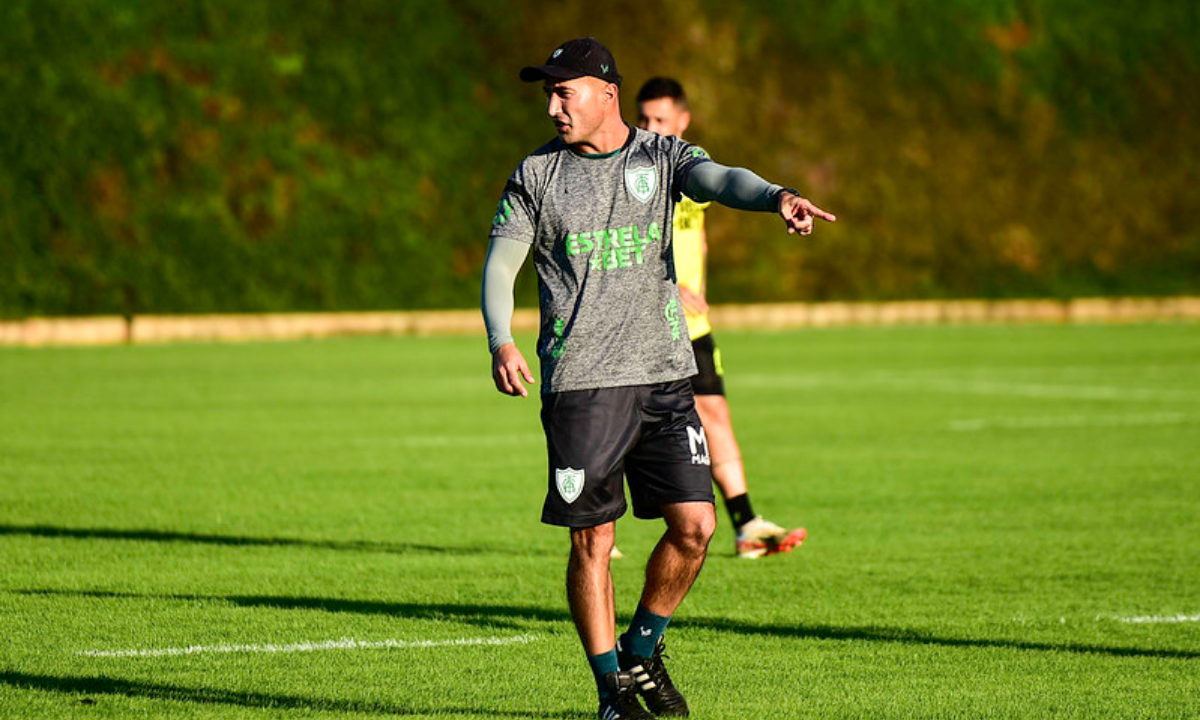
column 658, row 669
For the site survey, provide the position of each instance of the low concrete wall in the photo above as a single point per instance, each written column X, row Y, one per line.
column 100, row 330
column 108, row 330
column 929, row 312
column 289, row 326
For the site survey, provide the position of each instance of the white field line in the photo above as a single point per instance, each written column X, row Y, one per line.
column 1159, row 619
column 343, row 644
column 1069, row 421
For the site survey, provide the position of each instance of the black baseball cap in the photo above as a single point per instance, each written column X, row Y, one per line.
column 576, row 58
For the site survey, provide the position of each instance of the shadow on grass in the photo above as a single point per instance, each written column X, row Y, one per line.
column 489, row 616
column 92, row 686
column 919, row 637
column 167, row 536
column 519, row 618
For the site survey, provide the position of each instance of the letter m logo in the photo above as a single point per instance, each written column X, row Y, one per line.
column 698, row 445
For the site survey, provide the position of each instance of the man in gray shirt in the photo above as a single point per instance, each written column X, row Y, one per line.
column 595, row 207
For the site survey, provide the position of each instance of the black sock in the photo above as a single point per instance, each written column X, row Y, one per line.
column 739, row 510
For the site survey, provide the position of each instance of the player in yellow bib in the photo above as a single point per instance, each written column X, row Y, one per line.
column 663, row 108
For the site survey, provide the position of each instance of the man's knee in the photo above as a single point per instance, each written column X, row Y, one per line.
column 693, row 531
column 593, row 544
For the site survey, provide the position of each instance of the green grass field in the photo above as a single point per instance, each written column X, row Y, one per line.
column 988, row 507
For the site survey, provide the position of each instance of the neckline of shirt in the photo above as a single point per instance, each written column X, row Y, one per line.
column 603, row 156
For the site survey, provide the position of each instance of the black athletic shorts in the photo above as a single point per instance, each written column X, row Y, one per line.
column 648, row 434
column 710, row 378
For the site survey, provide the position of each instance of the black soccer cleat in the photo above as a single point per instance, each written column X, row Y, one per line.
column 653, row 683
column 622, row 702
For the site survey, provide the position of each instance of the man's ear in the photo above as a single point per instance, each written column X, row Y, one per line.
column 610, row 92
column 685, row 119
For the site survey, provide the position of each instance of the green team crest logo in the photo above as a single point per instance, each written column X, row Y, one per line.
column 642, row 182
column 569, row 482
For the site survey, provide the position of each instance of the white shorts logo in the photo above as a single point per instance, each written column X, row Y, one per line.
column 698, row 444
column 569, row 482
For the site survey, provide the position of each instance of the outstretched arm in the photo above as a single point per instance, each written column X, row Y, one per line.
column 504, row 259
column 741, row 189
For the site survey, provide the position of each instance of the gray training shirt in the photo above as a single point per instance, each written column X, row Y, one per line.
column 600, row 227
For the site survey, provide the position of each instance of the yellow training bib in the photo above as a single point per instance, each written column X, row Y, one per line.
column 688, row 238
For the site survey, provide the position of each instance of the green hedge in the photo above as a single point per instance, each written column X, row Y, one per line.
column 245, row 155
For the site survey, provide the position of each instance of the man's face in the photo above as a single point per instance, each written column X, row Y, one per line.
column 663, row 116
column 577, row 106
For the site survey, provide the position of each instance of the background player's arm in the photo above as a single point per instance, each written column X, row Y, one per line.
column 741, row 189
column 693, row 302
column 504, row 259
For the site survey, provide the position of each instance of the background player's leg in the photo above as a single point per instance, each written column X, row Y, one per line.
column 756, row 536
column 727, row 469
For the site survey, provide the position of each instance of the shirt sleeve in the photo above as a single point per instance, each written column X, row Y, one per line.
column 685, row 157
column 517, row 213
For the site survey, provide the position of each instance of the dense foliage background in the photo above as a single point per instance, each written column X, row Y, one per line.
column 254, row 155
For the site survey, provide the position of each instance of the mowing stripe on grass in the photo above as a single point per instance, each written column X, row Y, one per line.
column 1046, row 390
column 467, row 440
column 343, row 644
column 1068, row 421
column 966, row 386
column 1160, row 619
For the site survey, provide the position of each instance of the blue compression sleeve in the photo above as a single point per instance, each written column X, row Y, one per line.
column 504, row 259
